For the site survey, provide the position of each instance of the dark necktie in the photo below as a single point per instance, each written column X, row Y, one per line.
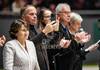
column 66, row 33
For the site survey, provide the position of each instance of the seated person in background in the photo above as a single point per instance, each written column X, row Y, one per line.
column 19, row 53
column 17, row 5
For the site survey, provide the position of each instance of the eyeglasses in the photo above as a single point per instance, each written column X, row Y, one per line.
column 47, row 16
column 65, row 12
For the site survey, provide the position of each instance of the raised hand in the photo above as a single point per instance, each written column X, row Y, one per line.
column 56, row 25
column 92, row 47
column 2, row 40
column 82, row 37
column 48, row 28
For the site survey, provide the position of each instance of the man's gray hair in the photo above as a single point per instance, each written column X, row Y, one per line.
column 75, row 17
column 60, row 6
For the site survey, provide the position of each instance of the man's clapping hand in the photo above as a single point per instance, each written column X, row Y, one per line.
column 65, row 43
column 82, row 37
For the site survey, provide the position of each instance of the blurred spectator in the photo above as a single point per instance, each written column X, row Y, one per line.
column 82, row 4
column 37, row 3
column 52, row 7
column 97, row 4
column 5, row 6
column 78, row 4
column 17, row 5
column 0, row 5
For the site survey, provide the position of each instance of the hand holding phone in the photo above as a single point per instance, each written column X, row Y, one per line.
column 56, row 26
column 53, row 17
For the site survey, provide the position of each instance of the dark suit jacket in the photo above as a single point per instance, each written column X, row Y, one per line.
column 72, row 57
column 66, row 58
column 59, row 58
column 79, row 55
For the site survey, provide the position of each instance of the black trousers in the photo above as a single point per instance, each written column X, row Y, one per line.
column 61, row 60
column 51, row 54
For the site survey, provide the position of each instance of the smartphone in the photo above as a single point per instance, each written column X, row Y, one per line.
column 53, row 17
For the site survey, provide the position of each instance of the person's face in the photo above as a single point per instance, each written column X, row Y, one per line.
column 22, row 33
column 64, row 14
column 31, row 16
column 76, row 26
column 47, row 16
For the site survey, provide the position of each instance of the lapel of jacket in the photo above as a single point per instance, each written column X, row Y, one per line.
column 23, row 49
column 65, row 32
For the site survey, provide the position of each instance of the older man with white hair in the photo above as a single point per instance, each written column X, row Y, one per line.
column 79, row 37
column 64, row 57
column 59, row 59
column 72, row 42
column 75, row 28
